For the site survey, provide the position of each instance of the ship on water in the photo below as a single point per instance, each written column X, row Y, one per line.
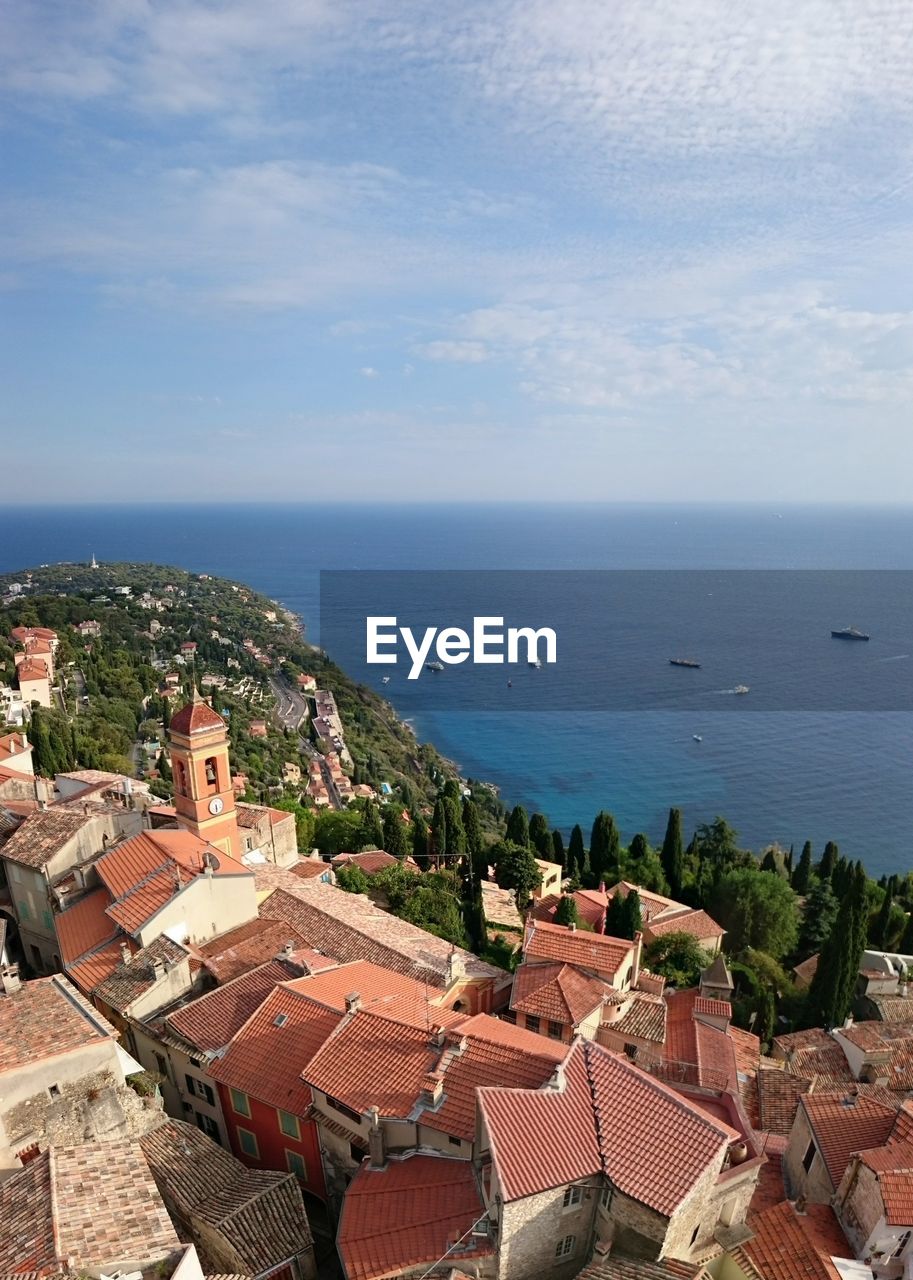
column 434, row 666
column 683, row 662
column 849, row 633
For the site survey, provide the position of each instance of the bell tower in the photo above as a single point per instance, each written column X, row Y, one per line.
column 203, row 795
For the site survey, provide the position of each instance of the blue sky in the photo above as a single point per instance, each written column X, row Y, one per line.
column 314, row 248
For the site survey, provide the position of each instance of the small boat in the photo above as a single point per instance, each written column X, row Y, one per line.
column 697, row 737
column 534, row 662
column 741, row 688
column 849, row 633
column 434, row 666
column 386, row 680
column 684, row 662
column 510, row 684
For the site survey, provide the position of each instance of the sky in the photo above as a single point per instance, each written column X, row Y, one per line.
column 500, row 249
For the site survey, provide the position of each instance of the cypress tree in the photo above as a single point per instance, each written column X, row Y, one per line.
column 605, row 848
column 828, row 863
column 830, row 995
column 765, row 1023
column 905, row 946
column 518, row 827
column 437, row 845
column 802, row 876
column 472, row 828
column 539, row 836
column 880, row 926
column 576, row 853
column 769, row 862
column 616, row 917
column 395, row 841
column 633, row 917
column 566, row 912
column 672, row 855
column 558, row 854
column 788, row 864
column 637, row 851
column 420, row 841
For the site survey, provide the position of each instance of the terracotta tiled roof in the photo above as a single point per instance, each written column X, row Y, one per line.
column 390, row 994
column 45, row 1018
column 134, row 977
column 43, row 834
column 790, row 1246
column 894, row 1040
column 690, row 1041
column 747, row 1049
column 195, row 717
column 266, row 1056
column 12, row 745
column 893, row 1008
column 351, row 927
column 32, row 669
column 91, row 969
column 813, row 1038
column 209, row 1022
column 556, row 992
column 374, row 1061
column 308, row 868
column 498, row 1031
column 618, row 1267
column 246, row 947
column 713, row 1008
column 604, row 1100
column 697, row 923
column 592, row 951
column 591, row 907
column 645, row 1019
column 85, row 925
column 83, row 1207
column 770, row 1189
column 371, row 861
column 260, row 1215
column 409, row 1214
column 843, row 1123
column 651, row 904
column 893, row 1166
column 778, row 1100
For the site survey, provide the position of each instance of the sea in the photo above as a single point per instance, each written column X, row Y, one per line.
column 779, row 775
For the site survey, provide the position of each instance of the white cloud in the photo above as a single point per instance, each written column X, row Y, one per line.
column 368, row 372
column 454, row 352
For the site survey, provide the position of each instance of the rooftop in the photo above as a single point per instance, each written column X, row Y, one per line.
column 372, row 1061
column 644, row 1020
column 46, row 1018
column 83, row 1207
column 133, row 977
column 410, row 1213
column 593, row 951
column 846, row 1122
column 788, row 1245
column 603, row 1100
column 260, row 1214
column 209, row 1022
column 246, row 947
column 44, row 834
column 556, row 992
column 390, row 994
column 195, row 716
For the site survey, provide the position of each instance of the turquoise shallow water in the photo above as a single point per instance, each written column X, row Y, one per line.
column 776, row 775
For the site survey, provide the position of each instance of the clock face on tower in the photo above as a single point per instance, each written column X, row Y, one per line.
column 216, row 805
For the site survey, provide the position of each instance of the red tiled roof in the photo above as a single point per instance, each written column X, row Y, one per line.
column 309, row 867
column 792, row 1246
column 266, row 1056
column 96, row 966
column 85, row 925
column 21, row 634
column 498, row 1031
column 246, row 947
column 713, row 1008
column 594, row 951
column 371, row 1061
column 591, row 906
column 392, row 995
column 843, row 1123
column 644, row 1020
column 408, row 1214
column 778, row 1100
column 13, row 745
column 195, row 717
column 371, row 861
column 590, row 1122
column 44, row 834
column 770, row 1189
column 893, row 1166
column 556, row 992
column 45, row 1018
column 210, row 1022
column 688, row 1040
column 747, row 1049
column 697, row 923
column 32, row 669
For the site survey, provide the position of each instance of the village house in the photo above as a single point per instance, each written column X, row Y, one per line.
column 874, row 1200
column 662, row 916
column 89, row 629
column 827, row 1129
column 249, row 1223
column 62, row 1072
column 52, row 850
column 593, row 1186
column 34, row 682
column 372, row 862
column 268, row 832
column 258, row 729
column 17, row 772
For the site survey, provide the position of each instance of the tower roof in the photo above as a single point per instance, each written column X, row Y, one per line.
column 717, row 974
column 195, row 717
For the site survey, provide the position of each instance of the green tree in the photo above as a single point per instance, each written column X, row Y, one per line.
column 802, row 876
column 818, row 916
column 517, row 826
column 830, row 994
column 395, row 839
column 566, row 912
column 472, row 827
column 757, row 909
column 420, row 849
column 672, row 855
column 678, row 957
column 881, row 924
column 305, row 822
column 828, row 863
column 352, row 879
column 558, row 852
column 605, row 849
column 616, row 916
column 576, row 853
column 516, row 869
column 163, row 766
column 371, row 834
column 905, row 946
column 765, row 1023
column 539, row 836
column 337, row 832
column 634, row 917
column 437, row 844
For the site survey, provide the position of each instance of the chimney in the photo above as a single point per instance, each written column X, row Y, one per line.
column 376, row 1140
column 353, row 1002
column 572, row 928
column 456, row 968
column 9, row 975
column 287, row 951
column 125, row 953
column 432, row 1088
column 158, row 970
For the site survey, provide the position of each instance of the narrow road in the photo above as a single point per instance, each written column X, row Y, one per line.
column 290, row 705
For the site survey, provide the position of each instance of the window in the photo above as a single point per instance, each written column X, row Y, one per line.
column 161, row 1065
column 343, row 1109
column 605, row 1199
column 248, row 1143
column 454, row 1142
column 532, row 1023
column 289, row 1125
column 564, row 1248
column 180, row 778
column 356, row 1153
column 809, row 1158
column 54, row 1090
column 36, row 958
column 240, row 1104
column 296, row 1165
column 555, row 1030
column 207, row 1125
column 197, row 1089
column 631, row 1051
column 572, row 1197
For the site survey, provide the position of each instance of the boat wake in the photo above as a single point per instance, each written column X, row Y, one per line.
column 896, row 657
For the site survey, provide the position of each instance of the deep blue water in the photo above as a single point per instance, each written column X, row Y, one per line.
column 786, row 776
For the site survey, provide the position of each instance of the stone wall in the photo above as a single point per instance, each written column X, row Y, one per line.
column 815, row 1183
